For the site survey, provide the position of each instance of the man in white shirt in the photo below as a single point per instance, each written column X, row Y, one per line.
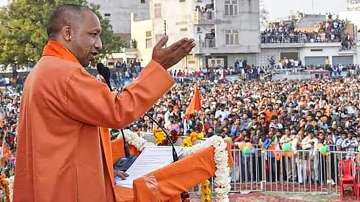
column 349, row 145
column 308, row 144
column 287, row 138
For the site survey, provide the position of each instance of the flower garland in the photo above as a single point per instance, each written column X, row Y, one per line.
column 160, row 136
column 205, row 191
column 192, row 138
column 4, row 185
column 222, row 173
column 134, row 139
column 11, row 186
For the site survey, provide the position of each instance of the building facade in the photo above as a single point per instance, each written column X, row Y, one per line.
column 224, row 30
column 308, row 53
column 119, row 11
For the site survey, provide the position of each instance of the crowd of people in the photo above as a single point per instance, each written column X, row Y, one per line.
column 331, row 30
column 9, row 102
column 265, row 114
column 261, row 113
column 126, row 72
column 257, row 108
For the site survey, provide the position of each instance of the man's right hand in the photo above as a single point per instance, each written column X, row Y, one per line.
column 171, row 55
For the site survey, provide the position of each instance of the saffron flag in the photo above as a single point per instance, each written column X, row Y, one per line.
column 195, row 104
column 5, row 151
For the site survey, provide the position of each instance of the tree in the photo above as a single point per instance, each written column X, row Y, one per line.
column 23, row 30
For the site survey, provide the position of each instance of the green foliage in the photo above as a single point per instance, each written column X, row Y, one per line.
column 23, row 29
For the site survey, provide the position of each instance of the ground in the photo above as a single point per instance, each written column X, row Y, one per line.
column 285, row 197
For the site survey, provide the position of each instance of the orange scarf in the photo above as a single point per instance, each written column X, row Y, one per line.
column 54, row 48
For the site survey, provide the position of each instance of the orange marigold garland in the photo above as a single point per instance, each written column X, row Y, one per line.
column 4, row 185
column 189, row 141
column 205, row 195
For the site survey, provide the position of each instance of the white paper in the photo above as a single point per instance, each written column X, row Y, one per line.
column 150, row 159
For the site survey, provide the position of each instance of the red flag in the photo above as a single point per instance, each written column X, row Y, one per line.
column 195, row 104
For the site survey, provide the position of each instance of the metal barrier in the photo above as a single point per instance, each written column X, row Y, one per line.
column 276, row 171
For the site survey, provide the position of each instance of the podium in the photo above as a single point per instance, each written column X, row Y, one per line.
column 167, row 183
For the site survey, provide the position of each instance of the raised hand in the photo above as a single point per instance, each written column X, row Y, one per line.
column 171, row 55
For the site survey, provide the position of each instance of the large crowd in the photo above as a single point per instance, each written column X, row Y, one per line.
column 331, row 30
column 304, row 114
column 256, row 108
column 9, row 102
column 256, row 112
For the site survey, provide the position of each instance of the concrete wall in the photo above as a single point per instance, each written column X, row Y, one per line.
column 250, row 58
column 138, row 33
column 120, row 12
column 304, row 50
column 247, row 22
column 262, row 58
column 181, row 22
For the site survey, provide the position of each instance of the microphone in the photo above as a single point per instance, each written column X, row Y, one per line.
column 105, row 73
column 174, row 153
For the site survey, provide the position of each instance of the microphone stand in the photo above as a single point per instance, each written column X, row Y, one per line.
column 174, row 153
column 184, row 195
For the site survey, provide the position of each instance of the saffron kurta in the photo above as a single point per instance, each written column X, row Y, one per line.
column 59, row 154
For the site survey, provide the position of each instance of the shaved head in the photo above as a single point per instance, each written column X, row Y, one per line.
column 77, row 29
column 65, row 15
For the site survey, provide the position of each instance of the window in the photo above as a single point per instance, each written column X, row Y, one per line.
column 231, row 7
column 157, row 10
column 236, row 37
column 148, row 34
column 231, row 37
column 142, row 1
column 107, row 14
column 316, row 50
column 182, row 0
column 184, row 29
column 148, row 39
column 148, row 43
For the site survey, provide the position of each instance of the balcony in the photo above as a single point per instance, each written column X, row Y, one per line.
column 204, row 18
column 205, row 46
column 208, row 43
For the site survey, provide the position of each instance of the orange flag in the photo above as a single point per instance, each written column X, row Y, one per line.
column 195, row 104
column 5, row 151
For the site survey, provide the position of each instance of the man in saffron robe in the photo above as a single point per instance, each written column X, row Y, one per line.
column 59, row 154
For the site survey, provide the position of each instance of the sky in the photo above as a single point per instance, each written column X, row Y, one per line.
column 3, row 2
column 282, row 8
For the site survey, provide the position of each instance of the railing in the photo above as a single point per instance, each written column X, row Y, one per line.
column 207, row 43
column 201, row 18
column 301, row 171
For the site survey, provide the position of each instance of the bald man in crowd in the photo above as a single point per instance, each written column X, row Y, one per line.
column 59, row 153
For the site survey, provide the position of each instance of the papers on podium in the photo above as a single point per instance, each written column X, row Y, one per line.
column 150, row 159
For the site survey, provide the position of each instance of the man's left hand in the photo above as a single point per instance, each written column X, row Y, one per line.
column 121, row 174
